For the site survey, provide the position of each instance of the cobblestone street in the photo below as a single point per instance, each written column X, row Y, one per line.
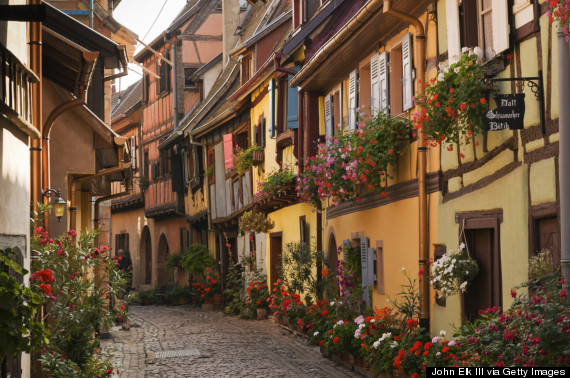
column 184, row 341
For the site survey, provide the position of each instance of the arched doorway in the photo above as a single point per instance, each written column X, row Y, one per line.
column 332, row 260
column 146, row 257
column 162, row 253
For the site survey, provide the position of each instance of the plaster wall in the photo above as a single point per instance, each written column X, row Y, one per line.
column 132, row 222
column 210, row 77
column 287, row 221
column 170, row 227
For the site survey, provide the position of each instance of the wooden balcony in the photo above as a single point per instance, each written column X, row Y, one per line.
column 16, row 82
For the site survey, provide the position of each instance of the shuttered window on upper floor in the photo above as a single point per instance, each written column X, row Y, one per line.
column 165, row 74
column 477, row 23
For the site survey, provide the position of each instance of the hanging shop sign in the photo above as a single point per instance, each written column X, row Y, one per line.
column 508, row 115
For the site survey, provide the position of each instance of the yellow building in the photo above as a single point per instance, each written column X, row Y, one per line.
column 502, row 198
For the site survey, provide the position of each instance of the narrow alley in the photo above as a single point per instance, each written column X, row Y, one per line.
column 184, row 341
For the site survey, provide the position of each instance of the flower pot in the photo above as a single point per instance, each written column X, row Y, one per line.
column 218, row 299
column 207, row 307
column 258, row 157
column 261, row 313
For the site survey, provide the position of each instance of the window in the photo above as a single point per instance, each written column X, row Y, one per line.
column 122, row 242
column 188, row 82
column 146, row 163
column 146, row 88
column 259, row 132
column 133, row 152
column 211, row 167
column 246, row 68
column 352, row 99
column 378, row 82
column 288, row 107
column 165, row 74
column 477, row 23
column 184, row 238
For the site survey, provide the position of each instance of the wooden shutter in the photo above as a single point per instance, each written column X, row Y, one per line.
column 365, row 267
column 329, row 116
column 345, row 242
column 133, row 152
column 352, row 100
column 292, row 108
column 177, row 178
column 228, row 151
column 273, row 125
column 407, row 82
column 383, row 81
column 374, row 84
column 500, row 19
column 211, row 161
column 262, row 132
column 453, row 35
column 255, row 135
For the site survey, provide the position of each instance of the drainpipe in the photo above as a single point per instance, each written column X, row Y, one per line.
column 277, row 65
column 422, row 162
column 36, row 66
column 564, row 152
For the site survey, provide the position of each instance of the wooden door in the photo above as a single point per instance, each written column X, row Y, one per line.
column 485, row 290
column 549, row 238
column 275, row 257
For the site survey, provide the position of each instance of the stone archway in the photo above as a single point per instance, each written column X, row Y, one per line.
column 162, row 275
column 145, row 249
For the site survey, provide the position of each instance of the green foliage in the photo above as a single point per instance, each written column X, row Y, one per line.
column 18, row 304
column 177, row 293
column 78, row 282
column 255, row 221
column 60, row 366
column 243, row 159
column 274, row 182
column 350, row 275
column 300, row 269
column 173, row 260
column 196, row 259
column 145, row 297
column 233, row 292
column 540, row 264
column 209, row 171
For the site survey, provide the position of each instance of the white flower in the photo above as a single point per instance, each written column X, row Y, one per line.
column 373, row 321
column 376, row 344
column 360, row 326
column 440, row 76
column 316, row 333
column 442, row 332
column 456, row 69
column 464, row 50
column 385, row 336
column 332, row 303
column 394, row 344
column 461, row 246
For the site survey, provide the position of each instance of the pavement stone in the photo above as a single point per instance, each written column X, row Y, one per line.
column 226, row 346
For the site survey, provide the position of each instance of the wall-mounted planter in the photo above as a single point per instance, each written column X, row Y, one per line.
column 258, row 157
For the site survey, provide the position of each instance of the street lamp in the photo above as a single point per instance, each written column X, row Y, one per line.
column 58, row 203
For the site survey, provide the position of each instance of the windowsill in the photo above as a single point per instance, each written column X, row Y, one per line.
column 285, row 139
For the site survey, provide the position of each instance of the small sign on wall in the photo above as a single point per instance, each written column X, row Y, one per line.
column 509, row 114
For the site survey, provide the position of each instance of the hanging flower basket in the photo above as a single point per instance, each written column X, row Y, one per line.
column 453, row 272
column 450, row 112
column 258, row 157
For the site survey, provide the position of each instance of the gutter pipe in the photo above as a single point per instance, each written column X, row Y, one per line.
column 422, row 163
column 36, row 66
column 564, row 152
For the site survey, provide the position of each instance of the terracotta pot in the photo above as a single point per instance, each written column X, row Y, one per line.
column 261, row 313
column 207, row 307
column 218, row 299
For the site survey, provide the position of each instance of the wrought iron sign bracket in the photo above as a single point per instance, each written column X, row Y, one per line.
column 537, row 88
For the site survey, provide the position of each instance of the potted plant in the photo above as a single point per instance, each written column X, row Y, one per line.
column 275, row 182
column 452, row 273
column 210, row 290
column 258, row 298
column 255, row 221
column 173, row 260
column 450, row 112
column 353, row 159
column 196, row 259
column 243, row 158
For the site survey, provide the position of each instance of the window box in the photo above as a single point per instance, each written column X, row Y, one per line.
column 258, row 157
column 285, row 139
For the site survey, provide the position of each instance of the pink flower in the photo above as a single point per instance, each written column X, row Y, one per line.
column 421, row 272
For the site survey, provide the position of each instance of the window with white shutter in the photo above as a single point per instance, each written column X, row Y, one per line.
column 374, row 85
column 352, row 103
column 366, row 267
column 477, row 23
column 329, row 116
column 383, row 80
column 407, row 81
